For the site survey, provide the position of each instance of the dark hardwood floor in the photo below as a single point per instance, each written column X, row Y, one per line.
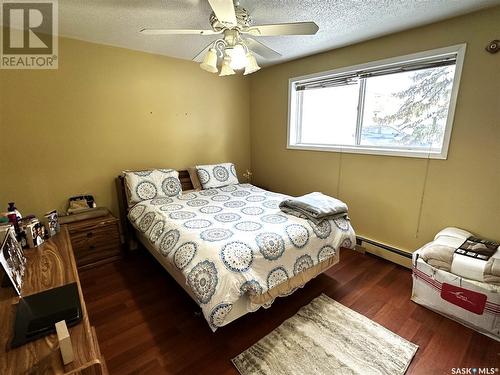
column 147, row 324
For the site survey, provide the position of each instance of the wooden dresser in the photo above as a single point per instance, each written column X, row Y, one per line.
column 95, row 241
column 50, row 265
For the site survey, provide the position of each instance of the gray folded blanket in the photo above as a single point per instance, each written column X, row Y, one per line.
column 315, row 207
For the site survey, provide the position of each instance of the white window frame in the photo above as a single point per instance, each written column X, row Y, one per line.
column 294, row 106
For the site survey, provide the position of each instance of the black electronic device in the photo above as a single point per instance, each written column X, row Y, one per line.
column 37, row 314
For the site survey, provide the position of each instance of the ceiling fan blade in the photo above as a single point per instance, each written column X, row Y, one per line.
column 261, row 49
column 297, row 28
column 178, row 32
column 199, row 57
column 224, row 11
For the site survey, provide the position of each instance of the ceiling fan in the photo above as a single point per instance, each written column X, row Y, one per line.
column 236, row 45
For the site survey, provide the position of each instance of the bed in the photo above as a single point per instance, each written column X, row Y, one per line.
column 231, row 248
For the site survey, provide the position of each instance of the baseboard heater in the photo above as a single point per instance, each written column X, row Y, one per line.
column 360, row 240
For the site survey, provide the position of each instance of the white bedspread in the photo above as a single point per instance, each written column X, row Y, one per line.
column 234, row 240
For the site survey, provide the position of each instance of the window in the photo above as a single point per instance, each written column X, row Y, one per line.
column 402, row 106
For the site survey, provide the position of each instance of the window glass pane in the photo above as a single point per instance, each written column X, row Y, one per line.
column 329, row 115
column 407, row 109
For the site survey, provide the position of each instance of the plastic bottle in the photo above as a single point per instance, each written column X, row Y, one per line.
column 14, row 216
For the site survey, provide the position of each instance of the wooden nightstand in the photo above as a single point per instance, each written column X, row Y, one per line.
column 95, row 241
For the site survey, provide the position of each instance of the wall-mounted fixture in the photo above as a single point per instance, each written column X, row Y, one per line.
column 493, row 46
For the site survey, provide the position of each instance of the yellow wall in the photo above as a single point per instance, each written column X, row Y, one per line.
column 72, row 130
column 106, row 109
column 384, row 193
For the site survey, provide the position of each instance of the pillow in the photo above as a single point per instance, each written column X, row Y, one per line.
column 217, row 175
column 149, row 184
column 193, row 175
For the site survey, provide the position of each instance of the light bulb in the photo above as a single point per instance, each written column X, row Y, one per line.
column 238, row 58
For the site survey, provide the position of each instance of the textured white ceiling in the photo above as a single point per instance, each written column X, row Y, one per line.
column 341, row 22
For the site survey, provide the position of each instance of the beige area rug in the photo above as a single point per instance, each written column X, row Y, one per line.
column 325, row 337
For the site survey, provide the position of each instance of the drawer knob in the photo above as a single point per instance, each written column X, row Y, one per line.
column 89, row 234
column 92, row 247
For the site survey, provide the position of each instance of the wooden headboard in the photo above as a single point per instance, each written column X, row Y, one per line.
column 127, row 228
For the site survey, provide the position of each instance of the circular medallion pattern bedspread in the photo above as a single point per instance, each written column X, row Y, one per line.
column 234, row 241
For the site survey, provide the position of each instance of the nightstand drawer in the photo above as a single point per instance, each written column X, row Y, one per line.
column 92, row 225
column 96, row 235
column 94, row 251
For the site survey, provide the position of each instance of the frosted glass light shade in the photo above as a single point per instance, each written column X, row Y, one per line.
column 210, row 61
column 252, row 65
column 226, row 69
column 238, row 58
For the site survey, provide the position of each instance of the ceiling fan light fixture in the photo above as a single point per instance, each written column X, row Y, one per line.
column 252, row 65
column 210, row 61
column 234, row 24
column 238, row 57
column 226, row 69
